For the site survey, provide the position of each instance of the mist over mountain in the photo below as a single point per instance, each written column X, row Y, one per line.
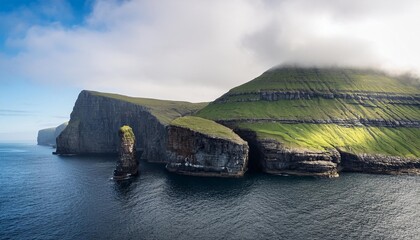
column 150, row 49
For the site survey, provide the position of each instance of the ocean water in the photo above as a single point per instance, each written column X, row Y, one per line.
column 43, row 196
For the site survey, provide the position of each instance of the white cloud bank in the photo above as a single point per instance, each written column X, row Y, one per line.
column 197, row 50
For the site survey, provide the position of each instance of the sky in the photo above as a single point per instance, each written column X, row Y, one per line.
column 189, row 50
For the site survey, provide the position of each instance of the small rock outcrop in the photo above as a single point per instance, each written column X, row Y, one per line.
column 201, row 147
column 127, row 163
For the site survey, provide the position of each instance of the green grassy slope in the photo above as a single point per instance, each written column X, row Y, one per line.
column 244, row 101
column 398, row 101
column 308, row 109
column 373, row 140
column 326, row 79
column 207, row 127
column 164, row 110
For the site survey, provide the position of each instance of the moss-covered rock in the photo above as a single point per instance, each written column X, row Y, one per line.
column 127, row 162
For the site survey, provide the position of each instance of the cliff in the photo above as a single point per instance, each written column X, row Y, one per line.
column 271, row 156
column 96, row 118
column 47, row 136
column 299, row 121
column 320, row 121
column 202, row 147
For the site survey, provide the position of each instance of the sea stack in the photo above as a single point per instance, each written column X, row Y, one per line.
column 127, row 163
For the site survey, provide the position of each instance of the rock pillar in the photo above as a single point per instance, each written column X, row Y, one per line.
column 127, row 163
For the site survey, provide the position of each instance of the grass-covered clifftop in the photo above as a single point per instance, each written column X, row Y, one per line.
column 164, row 110
column 357, row 110
column 207, row 127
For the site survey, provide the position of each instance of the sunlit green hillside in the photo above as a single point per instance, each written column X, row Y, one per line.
column 368, row 111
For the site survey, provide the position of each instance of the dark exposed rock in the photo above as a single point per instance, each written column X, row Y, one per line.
column 275, row 158
column 375, row 163
column 276, row 95
column 127, row 162
column 194, row 153
column 96, row 119
column 344, row 122
column 270, row 156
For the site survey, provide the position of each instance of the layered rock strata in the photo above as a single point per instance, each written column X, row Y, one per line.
column 273, row 157
column 127, row 163
column 192, row 152
column 376, row 163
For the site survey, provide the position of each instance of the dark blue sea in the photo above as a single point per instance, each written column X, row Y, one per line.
column 43, row 196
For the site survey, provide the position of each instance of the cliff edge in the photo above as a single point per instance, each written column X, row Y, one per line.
column 201, row 147
column 96, row 118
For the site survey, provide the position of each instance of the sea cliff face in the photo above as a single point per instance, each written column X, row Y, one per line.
column 271, row 156
column 202, row 147
column 96, row 118
column 194, row 153
column 47, row 136
column 377, row 163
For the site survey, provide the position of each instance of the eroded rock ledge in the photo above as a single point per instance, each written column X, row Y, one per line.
column 343, row 122
column 276, row 95
column 273, row 157
column 194, row 151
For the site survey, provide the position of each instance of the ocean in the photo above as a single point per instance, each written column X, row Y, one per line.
column 44, row 196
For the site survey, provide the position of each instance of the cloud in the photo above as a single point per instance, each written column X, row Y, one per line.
column 197, row 50
column 13, row 113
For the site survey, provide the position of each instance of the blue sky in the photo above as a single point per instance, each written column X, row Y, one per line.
column 182, row 50
column 26, row 105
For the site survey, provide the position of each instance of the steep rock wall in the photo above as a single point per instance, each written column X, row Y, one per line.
column 47, row 137
column 194, row 153
column 94, row 125
column 378, row 164
column 270, row 156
